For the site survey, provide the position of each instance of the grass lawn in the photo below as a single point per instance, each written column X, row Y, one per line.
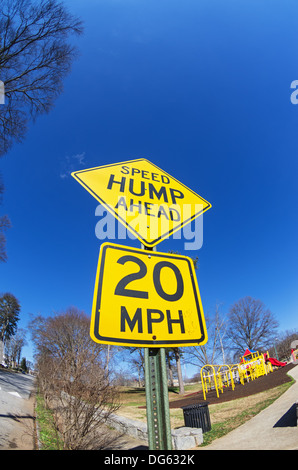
column 47, row 436
column 224, row 417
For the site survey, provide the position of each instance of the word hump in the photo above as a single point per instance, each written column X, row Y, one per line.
column 150, row 203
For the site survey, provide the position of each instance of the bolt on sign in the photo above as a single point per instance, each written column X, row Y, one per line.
column 146, row 299
column 149, row 202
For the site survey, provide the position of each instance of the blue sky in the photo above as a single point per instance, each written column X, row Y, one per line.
column 201, row 89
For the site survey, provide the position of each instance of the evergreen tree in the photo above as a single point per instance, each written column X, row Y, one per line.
column 9, row 315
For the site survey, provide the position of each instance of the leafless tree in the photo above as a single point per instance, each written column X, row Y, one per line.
column 251, row 325
column 137, row 366
column 35, row 57
column 73, row 379
column 135, row 357
column 13, row 346
column 283, row 344
column 178, row 352
column 4, row 225
column 212, row 351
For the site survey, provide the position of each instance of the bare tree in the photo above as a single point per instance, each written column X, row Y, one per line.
column 136, row 367
column 213, row 351
column 251, row 325
column 13, row 346
column 136, row 358
column 169, row 357
column 138, row 364
column 73, row 379
column 4, row 225
column 283, row 344
column 178, row 353
column 35, row 56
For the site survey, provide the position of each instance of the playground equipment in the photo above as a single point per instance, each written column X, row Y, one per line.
column 294, row 354
column 251, row 366
column 216, row 377
column 294, row 351
column 274, row 361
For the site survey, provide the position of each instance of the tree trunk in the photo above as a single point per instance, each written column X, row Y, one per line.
column 179, row 371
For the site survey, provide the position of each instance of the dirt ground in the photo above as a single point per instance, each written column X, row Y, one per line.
column 275, row 378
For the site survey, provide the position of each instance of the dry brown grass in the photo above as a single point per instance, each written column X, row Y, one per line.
column 133, row 399
column 231, row 409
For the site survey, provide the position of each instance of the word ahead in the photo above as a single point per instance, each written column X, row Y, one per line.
column 147, row 299
column 146, row 200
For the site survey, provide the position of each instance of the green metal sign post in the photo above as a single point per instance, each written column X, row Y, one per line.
column 157, row 399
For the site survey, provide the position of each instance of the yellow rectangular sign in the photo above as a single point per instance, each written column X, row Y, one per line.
column 147, row 299
column 149, row 202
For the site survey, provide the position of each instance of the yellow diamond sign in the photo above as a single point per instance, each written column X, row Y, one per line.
column 147, row 299
column 145, row 199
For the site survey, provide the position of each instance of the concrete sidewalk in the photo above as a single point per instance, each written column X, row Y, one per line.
column 274, row 428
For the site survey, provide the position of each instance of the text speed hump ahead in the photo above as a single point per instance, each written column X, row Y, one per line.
column 149, row 202
column 146, row 299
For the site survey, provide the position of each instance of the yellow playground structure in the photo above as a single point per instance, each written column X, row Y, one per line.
column 251, row 366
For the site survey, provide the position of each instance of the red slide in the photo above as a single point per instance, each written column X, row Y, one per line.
column 275, row 362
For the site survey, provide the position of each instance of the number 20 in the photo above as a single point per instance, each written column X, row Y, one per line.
column 121, row 286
